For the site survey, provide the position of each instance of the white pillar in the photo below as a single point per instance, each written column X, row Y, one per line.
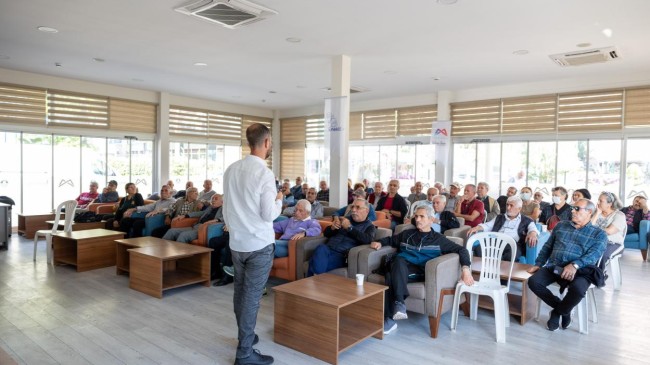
column 161, row 174
column 444, row 153
column 275, row 137
column 339, row 156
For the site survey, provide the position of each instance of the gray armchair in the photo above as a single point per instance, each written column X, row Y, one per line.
column 306, row 248
column 441, row 276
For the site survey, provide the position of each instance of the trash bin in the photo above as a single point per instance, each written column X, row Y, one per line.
column 7, row 200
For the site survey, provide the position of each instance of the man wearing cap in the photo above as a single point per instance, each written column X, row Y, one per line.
column 452, row 197
column 110, row 195
column 345, row 211
column 393, row 204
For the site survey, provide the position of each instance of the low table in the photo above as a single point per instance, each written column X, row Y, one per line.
column 78, row 226
column 522, row 305
column 122, row 262
column 326, row 314
column 87, row 250
column 28, row 224
column 154, row 269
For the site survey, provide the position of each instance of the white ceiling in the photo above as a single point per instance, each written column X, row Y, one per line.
column 396, row 47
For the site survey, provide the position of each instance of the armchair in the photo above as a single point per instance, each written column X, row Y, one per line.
column 184, row 222
column 206, row 232
column 150, row 223
column 441, row 276
column 639, row 240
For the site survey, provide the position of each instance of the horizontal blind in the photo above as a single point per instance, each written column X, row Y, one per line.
column 637, row 108
column 590, row 112
column 356, row 126
column 315, row 130
column 224, row 126
column 292, row 151
column 19, row 104
column 76, row 110
column 247, row 121
column 416, row 121
column 529, row 115
column 379, row 124
column 134, row 116
column 475, row 118
column 187, row 122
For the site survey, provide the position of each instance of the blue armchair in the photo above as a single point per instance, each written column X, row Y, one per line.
column 150, row 223
column 639, row 240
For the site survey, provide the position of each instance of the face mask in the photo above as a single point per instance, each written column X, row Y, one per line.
column 557, row 200
column 525, row 196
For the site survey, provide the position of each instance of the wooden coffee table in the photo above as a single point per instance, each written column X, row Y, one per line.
column 154, row 269
column 326, row 314
column 522, row 305
column 87, row 250
column 78, row 226
column 122, row 262
column 28, row 224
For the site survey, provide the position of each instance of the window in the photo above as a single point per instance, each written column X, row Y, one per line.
column 541, row 165
column 10, row 183
column 488, row 166
column 571, row 164
column 75, row 110
column 464, row 163
column 37, row 173
column 67, row 169
column 604, row 167
column 637, row 170
column 514, row 165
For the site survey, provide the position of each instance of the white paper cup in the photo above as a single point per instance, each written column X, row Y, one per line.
column 360, row 279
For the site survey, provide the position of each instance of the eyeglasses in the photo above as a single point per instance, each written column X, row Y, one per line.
column 577, row 209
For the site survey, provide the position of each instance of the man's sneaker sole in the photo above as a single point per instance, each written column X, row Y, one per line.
column 391, row 329
column 399, row 316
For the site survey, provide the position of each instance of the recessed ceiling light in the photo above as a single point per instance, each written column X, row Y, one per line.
column 201, row 64
column 293, row 40
column 273, row 92
column 137, row 80
column 4, row 57
column 607, row 32
column 58, row 64
column 99, row 60
column 236, row 97
column 436, row 78
column 326, row 89
column 583, row 45
column 300, row 86
column 520, row 52
column 390, row 72
column 447, row 2
column 47, row 29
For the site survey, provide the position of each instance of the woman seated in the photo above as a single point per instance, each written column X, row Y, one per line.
column 611, row 220
column 530, row 207
column 560, row 210
column 131, row 200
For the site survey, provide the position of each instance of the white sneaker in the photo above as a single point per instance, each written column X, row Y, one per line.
column 389, row 326
column 400, row 311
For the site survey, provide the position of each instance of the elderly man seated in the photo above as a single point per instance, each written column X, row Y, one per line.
column 417, row 194
column 212, row 214
column 86, row 198
column 431, row 192
column 287, row 197
column 299, row 226
column 324, row 192
column 470, row 208
column 569, row 258
column 206, row 194
column 129, row 224
column 181, row 208
column 342, row 235
column 316, row 206
column 516, row 225
column 109, row 194
column 442, row 219
column 345, row 211
column 635, row 213
column 414, row 248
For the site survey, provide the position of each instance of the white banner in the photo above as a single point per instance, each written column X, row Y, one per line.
column 441, row 132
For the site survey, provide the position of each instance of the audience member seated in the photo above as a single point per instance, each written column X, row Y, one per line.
column 345, row 211
column 206, row 194
column 492, row 208
column 213, row 214
column 182, row 208
column 181, row 193
column 580, row 194
column 417, row 195
column 636, row 213
column 611, row 220
column 377, row 194
column 132, row 200
column 342, row 235
column 303, row 192
column 452, row 196
column 324, row 192
column 441, row 188
column 287, row 197
column 414, row 248
column 539, row 199
column 350, row 191
column 442, row 219
column 569, row 258
column 521, row 228
column 560, row 210
column 220, row 258
column 431, row 192
column 296, row 190
column 512, row 191
column 170, row 183
column 299, row 226
column 470, row 208
column 315, row 206
column 133, row 226
column 530, row 207
column 369, row 190
column 109, row 194
column 86, row 198
column 393, row 204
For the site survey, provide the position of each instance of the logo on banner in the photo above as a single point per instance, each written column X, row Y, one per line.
column 334, row 125
column 442, row 131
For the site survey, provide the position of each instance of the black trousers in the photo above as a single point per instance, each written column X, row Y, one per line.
column 160, row 231
column 221, row 256
column 401, row 271
column 132, row 227
column 576, row 289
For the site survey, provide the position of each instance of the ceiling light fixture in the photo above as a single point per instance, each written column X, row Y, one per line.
column 47, row 29
column 200, row 64
column 436, row 78
column 293, row 40
column 583, row 45
column 608, row 32
column 58, row 64
column 273, row 92
column 520, row 52
column 99, row 60
column 447, row 2
column 300, row 86
column 137, row 80
column 390, row 72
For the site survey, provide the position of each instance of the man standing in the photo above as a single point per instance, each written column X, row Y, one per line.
column 492, row 208
column 568, row 258
column 251, row 203
column 470, row 208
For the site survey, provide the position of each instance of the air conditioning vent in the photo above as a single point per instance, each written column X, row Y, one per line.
column 353, row 89
column 227, row 13
column 586, row 57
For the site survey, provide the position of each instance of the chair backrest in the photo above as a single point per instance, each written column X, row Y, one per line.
column 493, row 244
column 382, row 233
column 402, row 227
column 461, row 221
column 381, row 215
column 69, row 207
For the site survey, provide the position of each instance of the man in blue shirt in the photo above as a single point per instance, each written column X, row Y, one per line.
column 568, row 258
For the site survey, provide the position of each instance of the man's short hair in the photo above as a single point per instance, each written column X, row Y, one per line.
column 430, row 212
column 360, row 193
column 590, row 205
column 305, row 204
column 191, row 190
column 442, row 198
column 94, row 183
column 516, row 200
column 256, row 134
column 112, row 182
column 483, row 183
column 561, row 189
column 365, row 202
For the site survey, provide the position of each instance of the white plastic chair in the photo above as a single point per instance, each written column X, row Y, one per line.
column 615, row 265
column 586, row 306
column 69, row 207
column 493, row 245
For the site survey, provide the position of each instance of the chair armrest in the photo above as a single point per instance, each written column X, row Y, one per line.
column 304, row 249
column 108, row 208
column 460, row 232
column 353, row 259
column 204, row 233
column 440, row 273
column 532, row 252
column 369, row 259
column 152, row 223
column 184, row 222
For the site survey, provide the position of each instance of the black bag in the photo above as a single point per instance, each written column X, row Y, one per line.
column 86, row 217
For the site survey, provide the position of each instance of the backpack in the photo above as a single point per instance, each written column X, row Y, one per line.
column 552, row 222
column 86, row 217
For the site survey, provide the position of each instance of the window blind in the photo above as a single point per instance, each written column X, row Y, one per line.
column 19, row 104
column 128, row 115
column 529, row 115
column 637, row 108
column 476, row 118
column 76, row 110
column 380, row 124
column 204, row 123
column 224, row 126
column 416, row 121
column 315, row 130
column 292, row 152
column 590, row 112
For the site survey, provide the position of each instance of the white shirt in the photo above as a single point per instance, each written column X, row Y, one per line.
column 249, row 204
column 509, row 226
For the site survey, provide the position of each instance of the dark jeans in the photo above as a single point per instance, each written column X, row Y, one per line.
column 221, row 256
column 252, row 270
column 576, row 289
column 324, row 259
column 160, row 231
column 132, row 227
column 397, row 279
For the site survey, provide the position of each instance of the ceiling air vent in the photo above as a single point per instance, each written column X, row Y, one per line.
column 586, row 57
column 228, row 13
column 353, row 89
